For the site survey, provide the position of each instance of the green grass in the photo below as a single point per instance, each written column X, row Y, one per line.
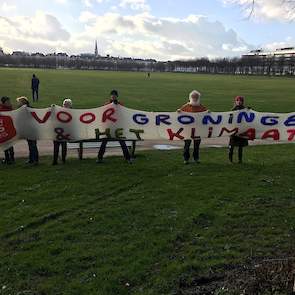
column 163, row 92
column 152, row 227
column 84, row 228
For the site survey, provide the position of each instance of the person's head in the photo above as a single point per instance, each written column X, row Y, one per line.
column 34, row 76
column 239, row 100
column 114, row 96
column 5, row 100
column 195, row 98
column 22, row 100
column 67, row 103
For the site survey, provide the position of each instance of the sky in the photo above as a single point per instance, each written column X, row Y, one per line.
column 163, row 30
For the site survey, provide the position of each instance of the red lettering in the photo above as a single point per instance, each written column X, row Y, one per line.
column 273, row 133
column 249, row 134
column 64, row 117
column 177, row 134
column 44, row 119
column 107, row 115
column 87, row 118
column 291, row 134
column 224, row 129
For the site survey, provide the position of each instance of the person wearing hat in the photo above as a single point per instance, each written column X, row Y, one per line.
column 113, row 100
column 237, row 141
column 67, row 103
column 33, row 149
column 5, row 106
column 193, row 106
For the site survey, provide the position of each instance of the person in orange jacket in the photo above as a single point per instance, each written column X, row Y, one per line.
column 193, row 106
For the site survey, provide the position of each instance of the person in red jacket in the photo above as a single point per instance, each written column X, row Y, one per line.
column 237, row 141
column 6, row 106
column 114, row 99
column 193, row 106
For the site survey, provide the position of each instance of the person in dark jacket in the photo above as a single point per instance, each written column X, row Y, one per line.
column 67, row 103
column 33, row 149
column 35, row 88
column 114, row 99
column 5, row 106
column 237, row 141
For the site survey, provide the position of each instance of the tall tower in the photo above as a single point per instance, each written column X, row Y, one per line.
column 95, row 50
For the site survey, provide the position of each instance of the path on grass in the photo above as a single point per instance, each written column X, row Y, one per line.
column 46, row 147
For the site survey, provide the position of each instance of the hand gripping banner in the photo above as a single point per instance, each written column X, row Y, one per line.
column 116, row 121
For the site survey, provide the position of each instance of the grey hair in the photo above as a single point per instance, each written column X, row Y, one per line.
column 67, row 101
column 194, row 92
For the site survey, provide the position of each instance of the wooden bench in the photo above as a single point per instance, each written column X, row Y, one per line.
column 95, row 144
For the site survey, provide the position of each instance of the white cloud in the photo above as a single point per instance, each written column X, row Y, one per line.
column 281, row 10
column 135, row 4
column 90, row 3
column 22, row 32
column 86, row 16
column 164, row 38
column 138, row 35
column 5, row 7
column 63, row 2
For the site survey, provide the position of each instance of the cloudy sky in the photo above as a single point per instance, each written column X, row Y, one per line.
column 165, row 30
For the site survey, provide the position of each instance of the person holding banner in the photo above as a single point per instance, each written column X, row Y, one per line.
column 5, row 106
column 237, row 140
column 113, row 100
column 67, row 103
column 33, row 149
column 193, row 106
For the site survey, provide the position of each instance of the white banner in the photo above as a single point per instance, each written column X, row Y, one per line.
column 116, row 121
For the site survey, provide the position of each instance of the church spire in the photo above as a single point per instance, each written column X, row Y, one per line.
column 96, row 50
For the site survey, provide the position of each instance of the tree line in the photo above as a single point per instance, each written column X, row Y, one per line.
column 246, row 65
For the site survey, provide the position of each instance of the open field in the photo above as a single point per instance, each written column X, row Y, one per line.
column 157, row 226
column 163, row 92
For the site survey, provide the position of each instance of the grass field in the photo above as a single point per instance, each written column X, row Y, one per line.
column 163, row 92
column 155, row 227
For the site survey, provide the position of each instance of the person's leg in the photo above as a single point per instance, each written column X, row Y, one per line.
column 35, row 151
column 240, row 154
column 102, row 150
column 63, row 151
column 55, row 152
column 230, row 152
column 31, row 160
column 6, row 157
column 186, row 154
column 11, row 154
column 196, row 153
column 37, row 94
column 33, row 94
column 125, row 150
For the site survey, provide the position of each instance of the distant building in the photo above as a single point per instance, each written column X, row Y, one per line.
column 276, row 62
column 280, row 52
column 96, row 49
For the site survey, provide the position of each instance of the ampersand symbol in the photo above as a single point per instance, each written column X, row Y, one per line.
column 60, row 134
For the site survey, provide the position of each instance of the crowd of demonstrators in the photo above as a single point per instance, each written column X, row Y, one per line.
column 6, row 106
column 115, row 100
column 193, row 106
column 67, row 103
